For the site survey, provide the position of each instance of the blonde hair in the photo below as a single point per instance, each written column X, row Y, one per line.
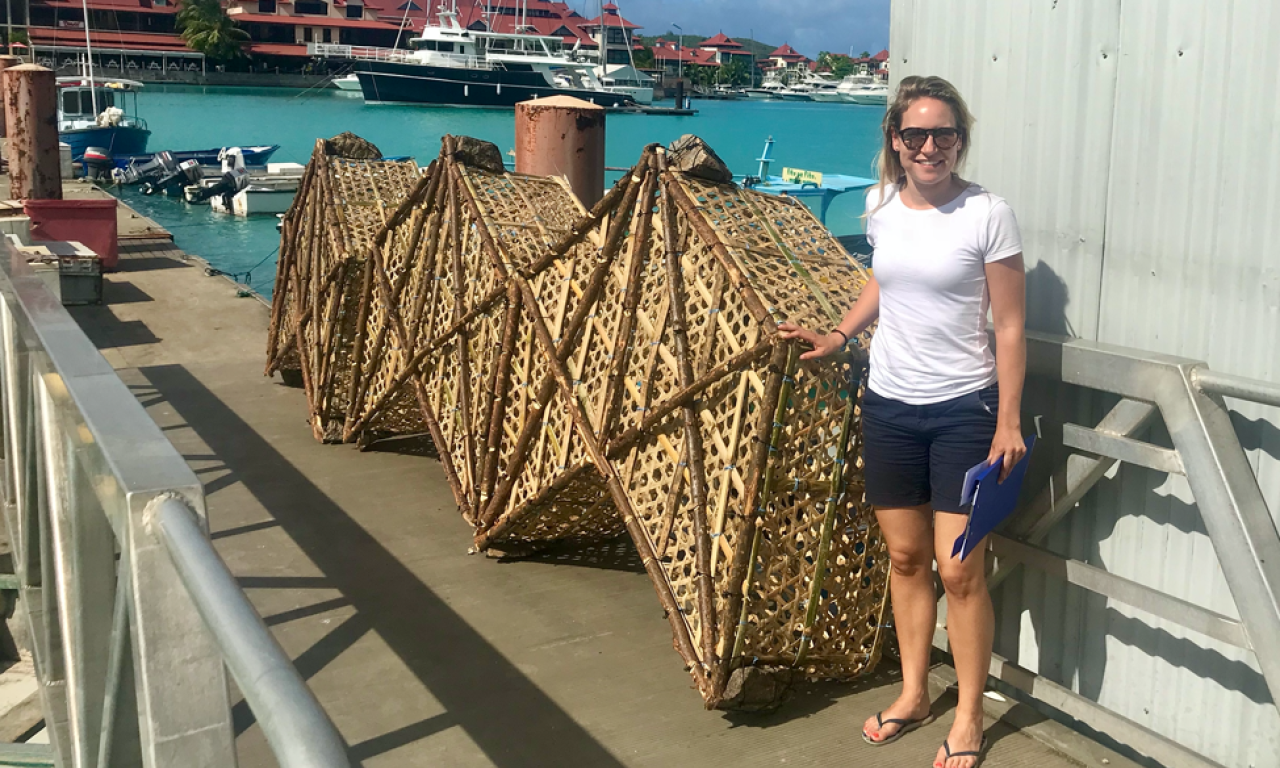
column 888, row 164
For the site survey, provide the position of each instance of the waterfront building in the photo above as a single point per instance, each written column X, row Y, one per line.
column 614, row 34
column 725, row 49
column 671, row 58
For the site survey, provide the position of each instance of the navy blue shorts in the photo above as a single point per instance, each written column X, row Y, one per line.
column 919, row 454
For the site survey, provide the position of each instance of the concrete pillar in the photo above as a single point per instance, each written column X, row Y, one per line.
column 563, row 136
column 31, row 115
column 5, row 63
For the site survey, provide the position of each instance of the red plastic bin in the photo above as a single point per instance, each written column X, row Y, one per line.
column 92, row 222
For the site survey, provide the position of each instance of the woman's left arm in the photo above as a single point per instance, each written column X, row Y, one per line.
column 1007, row 286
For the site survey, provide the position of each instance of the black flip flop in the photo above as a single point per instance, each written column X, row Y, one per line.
column 980, row 753
column 904, row 727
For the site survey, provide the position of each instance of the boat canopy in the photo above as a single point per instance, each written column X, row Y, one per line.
column 114, row 83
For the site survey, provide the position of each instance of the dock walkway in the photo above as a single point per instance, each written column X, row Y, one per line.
column 423, row 654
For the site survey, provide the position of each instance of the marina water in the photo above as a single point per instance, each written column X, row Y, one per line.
column 832, row 138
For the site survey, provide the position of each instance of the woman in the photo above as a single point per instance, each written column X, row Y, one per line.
column 946, row 250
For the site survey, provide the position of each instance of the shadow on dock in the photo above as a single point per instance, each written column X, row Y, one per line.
column 511, row 720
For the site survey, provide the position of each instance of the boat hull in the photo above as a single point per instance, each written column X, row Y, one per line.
column 118, row 140
column 870, row 99
column 257, row 202
column 827, row 98
column 391, row 83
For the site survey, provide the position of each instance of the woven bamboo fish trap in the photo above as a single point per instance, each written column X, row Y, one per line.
column 342, row 208
column 585, row 373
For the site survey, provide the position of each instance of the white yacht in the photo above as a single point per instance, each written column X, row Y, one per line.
column 769, row 89
column 453, row 66
column 864, row 89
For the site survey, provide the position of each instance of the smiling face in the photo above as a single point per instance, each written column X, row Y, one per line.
column 929, row 166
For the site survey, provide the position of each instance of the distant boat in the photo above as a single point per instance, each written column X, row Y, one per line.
column 92, row 114
column 863, row 89
column 454, row 66
column 801, row 92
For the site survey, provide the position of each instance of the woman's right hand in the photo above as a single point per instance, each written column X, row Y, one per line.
column 822, row 345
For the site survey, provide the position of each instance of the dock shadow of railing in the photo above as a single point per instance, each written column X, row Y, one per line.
column 511, row 720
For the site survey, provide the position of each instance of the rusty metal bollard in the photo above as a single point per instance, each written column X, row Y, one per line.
column 563, row 136
column 31, row 115
column 5, row 63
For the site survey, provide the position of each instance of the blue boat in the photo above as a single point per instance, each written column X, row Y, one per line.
column 253, row 156
column 93, row 114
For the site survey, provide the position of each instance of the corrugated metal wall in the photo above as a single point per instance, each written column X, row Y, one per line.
column 1138, row 141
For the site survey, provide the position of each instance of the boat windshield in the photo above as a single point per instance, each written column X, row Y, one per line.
column 79, row 101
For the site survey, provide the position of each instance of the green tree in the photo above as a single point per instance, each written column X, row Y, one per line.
column 866, row 54
column 208, row 29
column 644, row 58
column 840, row 66
column 735, row 72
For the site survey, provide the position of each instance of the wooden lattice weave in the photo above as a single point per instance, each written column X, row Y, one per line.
column 587, row 373
column 341, row 210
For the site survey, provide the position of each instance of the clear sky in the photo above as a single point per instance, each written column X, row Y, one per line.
column 808, row 25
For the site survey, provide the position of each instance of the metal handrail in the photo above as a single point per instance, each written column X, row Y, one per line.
column 1208, row 452
column 297, row 727
column 1239, row 387
column 118, row 581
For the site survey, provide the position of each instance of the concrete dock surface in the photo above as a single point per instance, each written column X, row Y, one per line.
column 425, row 655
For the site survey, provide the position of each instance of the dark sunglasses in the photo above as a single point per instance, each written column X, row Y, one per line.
column 915, row 138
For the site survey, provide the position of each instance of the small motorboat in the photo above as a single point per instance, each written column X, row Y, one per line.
column 348, row 83
column 92, row 114
column 259, row 155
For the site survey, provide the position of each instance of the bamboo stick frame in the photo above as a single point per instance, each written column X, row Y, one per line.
column 588, row 373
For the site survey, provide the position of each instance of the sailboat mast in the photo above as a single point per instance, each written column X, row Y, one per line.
column 88, row 48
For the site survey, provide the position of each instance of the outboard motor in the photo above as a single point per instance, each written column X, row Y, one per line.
column 235, row 177
column 97, row 163
column 147, row 172
column 175, row 178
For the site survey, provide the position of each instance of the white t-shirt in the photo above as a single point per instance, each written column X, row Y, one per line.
column 931, row 344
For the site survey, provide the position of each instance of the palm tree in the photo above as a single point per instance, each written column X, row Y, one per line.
column 209, row 30
column 734, row 72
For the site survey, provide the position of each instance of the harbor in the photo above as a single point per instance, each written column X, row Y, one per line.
column 371, row 424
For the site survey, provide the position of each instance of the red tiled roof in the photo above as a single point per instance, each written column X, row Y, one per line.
column 881, row 56
column 610, row 20
column 128, row 6
column 278, row 49
column 788, row 53
column 312, row 21
column 668, row 53
column 720, row 41
column 106, row 39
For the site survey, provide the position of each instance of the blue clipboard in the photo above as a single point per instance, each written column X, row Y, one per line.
column 993, row 501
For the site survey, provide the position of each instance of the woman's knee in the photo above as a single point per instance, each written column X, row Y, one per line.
column 910, row 561
column 962, row 579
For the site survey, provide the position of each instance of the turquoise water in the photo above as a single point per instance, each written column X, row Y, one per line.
column 833, row 138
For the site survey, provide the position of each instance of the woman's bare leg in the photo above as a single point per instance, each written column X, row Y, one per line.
column 970, row 629
column 908, row 532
